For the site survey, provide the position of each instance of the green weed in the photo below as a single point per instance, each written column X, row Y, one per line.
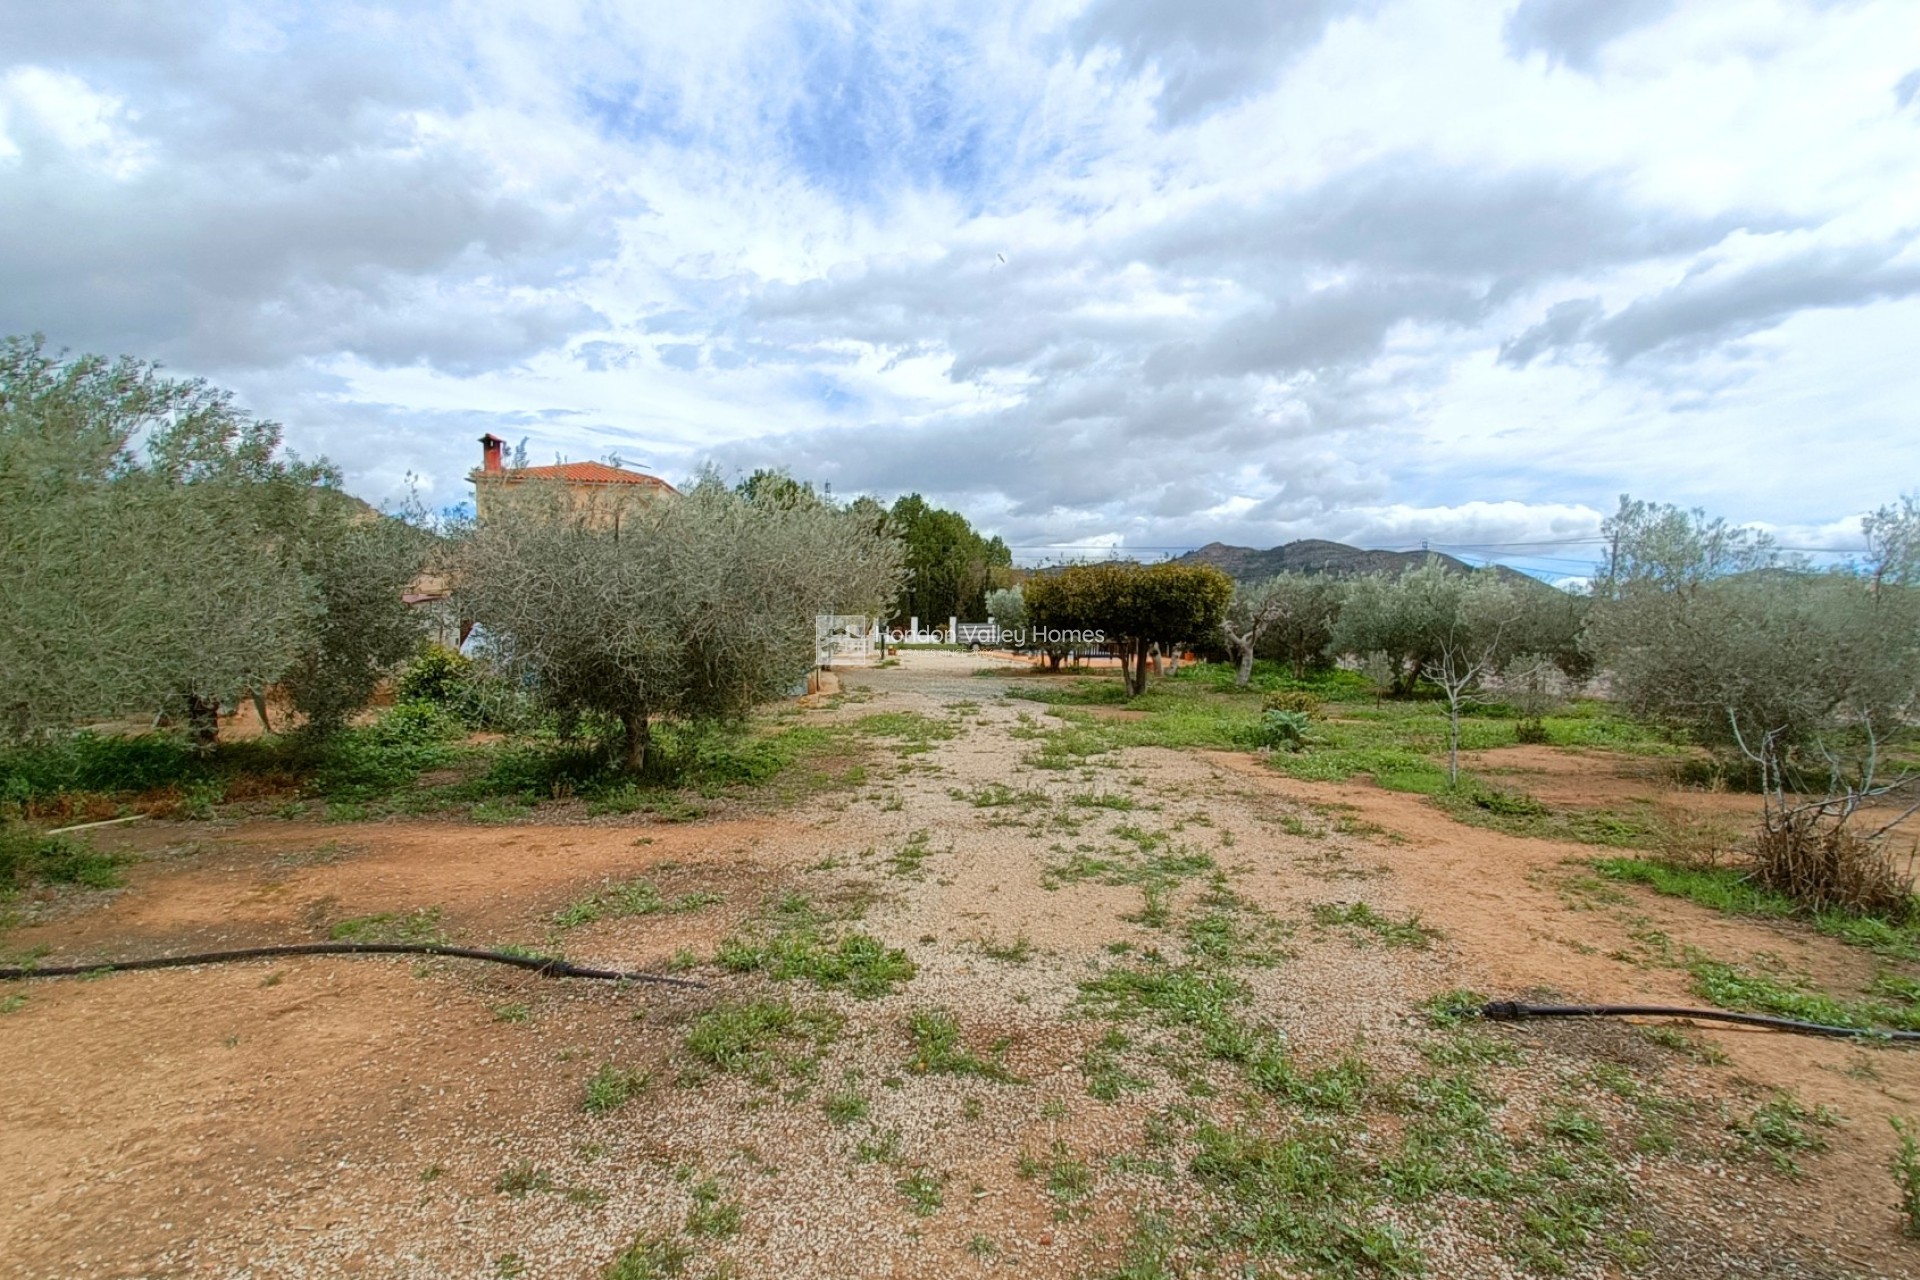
column 1365, row 921
column 421, row 926
column 922, row 1190
column 938, row 1050
column 651, row 1257
column 611, row 1088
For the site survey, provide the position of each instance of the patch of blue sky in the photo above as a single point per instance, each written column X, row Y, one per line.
column 632, row 111
column 830, row 393
column 868, row 122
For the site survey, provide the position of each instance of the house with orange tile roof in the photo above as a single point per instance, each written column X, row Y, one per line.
column 596, row 490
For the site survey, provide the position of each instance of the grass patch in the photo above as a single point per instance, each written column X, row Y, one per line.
column 1733, row 986
column 1019, row 950
column 1303, row 1196
column 922, row 1190
column 612, row 1087
column 29, row 857
column 420, row 927
column 1107, row 1080
column 1365, row 922
column 846, row 1105
column 630, row 898
column 713, row 1216
column 939, row 1050
column 1906, row 1175
column 650, row 1257
column 913, row 733
column 1779, row 1129
column 761, row 1038
column 522, row 1179
column 1730, row 890
column 912, row 855
column 796, row 941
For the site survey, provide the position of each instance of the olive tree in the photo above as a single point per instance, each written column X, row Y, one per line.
column 1401, row 618
column 1477, row 623
column 1254, row 609
column 698, row 606
column 1007, row 606
column 360, row 563
column 1801, row 675
column 1303, row 627
column 149, row 563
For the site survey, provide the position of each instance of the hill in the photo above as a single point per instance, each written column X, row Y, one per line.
column 1311, row 555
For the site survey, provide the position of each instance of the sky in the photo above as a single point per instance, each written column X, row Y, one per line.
column 1132, row 274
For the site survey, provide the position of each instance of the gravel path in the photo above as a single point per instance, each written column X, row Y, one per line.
column 324, row 1118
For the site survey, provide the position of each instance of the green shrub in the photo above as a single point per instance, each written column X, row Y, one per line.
column 1295, row 700
column 367, row 762
column 1280, row 729
column 1906, row 1175
column 94, row 762
column 439, row 676
column 29, row 857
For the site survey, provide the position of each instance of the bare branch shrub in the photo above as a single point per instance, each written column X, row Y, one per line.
column 1799, row 678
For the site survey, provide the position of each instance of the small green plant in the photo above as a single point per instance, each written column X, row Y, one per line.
column 1906, row 1175
column 1280, row 731
column 1017, row 951
column 1107, row 1080
column 513, row 1011
column 922, row 1190
column 650, row 1257
column 1366, row 921
column 912, row 855
column 844, row 1106
column 520, row 1179
column 28, row 857
column 879, row 1148
column 1778, row 1128
column 712, row 1217
column 422, row 927
column 937, row 1048
column 752, row 1038
column 794, row 942
column 611, row 1088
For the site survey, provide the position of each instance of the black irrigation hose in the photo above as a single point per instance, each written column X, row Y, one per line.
column 1514, row 1011
column 546, row 967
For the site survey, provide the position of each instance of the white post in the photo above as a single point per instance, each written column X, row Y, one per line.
column 953, row 630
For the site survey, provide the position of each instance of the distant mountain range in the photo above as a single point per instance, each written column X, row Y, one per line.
column 1314, row 555
column 1311, row 555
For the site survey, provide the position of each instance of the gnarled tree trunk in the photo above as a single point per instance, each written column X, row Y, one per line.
column 639, row 737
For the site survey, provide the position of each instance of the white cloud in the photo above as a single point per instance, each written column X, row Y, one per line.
column 62, row 112
column 1103, row 272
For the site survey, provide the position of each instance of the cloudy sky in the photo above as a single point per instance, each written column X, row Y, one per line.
column 1135, row 272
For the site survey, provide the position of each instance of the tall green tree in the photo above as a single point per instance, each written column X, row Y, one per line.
column 152, row 544
column 1134, row 606
column 159, row 551
column 361, row 564
column 1307, row 611
column 1703, row 626
column 950, row 567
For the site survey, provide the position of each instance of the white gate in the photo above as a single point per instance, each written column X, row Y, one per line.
column 841, row 635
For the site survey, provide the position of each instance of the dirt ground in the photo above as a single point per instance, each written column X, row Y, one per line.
column 329, row 1116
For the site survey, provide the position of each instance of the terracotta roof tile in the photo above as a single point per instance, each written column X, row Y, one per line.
column 580, row 473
